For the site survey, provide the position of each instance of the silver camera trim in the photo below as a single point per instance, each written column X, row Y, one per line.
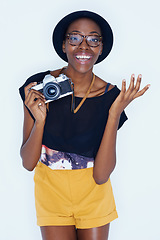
column 49, row 78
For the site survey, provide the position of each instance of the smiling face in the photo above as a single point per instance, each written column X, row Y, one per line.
column 82, row 57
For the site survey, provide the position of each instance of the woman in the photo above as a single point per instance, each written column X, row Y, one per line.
column 71, row 142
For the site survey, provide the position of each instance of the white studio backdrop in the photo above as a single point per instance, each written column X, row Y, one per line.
column 26, row 48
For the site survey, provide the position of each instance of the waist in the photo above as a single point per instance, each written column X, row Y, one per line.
column 57, row 160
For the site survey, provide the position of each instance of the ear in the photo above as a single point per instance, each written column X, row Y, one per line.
column 101, row 50
column 63, row 47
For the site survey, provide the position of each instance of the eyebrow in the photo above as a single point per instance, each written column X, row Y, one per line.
column 89, row 33
column 95, row 32
column 76, row 31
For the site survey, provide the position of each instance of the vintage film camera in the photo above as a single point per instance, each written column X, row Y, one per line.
column 55, row 88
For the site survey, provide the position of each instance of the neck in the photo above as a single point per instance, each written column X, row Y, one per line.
column 81, row 80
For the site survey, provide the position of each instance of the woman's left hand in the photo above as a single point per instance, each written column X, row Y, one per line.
column 127, row 96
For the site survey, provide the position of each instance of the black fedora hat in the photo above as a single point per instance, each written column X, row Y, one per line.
column 61, row 28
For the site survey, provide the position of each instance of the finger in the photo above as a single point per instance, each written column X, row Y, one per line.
column 39, row 102
column 34, row 94
column 41, row 105
column 138, row 83
column 123, row 89
column 32, row 97
column 137, row 86
column 131, row 86
column 140, row 93
column 28, row 87
column 37, row 92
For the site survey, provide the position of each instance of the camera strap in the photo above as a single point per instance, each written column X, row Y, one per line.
column 73, row 96
column 84, row 98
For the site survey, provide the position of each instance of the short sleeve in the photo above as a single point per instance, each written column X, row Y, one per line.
column 35, row 78
column 38, row 77
column 122, row 119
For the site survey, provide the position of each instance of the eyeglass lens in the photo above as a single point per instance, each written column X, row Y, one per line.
column 76, row 39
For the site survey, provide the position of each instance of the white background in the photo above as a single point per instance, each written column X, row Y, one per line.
column 25, row 49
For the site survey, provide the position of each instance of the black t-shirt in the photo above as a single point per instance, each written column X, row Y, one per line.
column 80, row 132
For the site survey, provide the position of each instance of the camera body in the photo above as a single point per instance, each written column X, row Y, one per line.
column 54, row 88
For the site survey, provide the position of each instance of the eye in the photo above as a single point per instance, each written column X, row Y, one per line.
column 93, row 39
column 74, row 38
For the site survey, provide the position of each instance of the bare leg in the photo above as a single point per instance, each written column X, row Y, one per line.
column 98, row 233
column 58, row 233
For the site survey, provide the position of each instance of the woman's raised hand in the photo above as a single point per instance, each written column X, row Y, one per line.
column 35, row 102
column 127, row 96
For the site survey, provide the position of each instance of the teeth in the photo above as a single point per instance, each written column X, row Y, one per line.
column 83, row 57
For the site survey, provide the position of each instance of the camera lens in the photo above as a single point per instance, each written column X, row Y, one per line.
column 51, row 91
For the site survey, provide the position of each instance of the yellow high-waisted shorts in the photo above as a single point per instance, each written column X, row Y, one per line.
column 71, row 197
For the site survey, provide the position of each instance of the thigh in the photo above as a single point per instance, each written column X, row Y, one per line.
column 58, row 233
column 98, row 233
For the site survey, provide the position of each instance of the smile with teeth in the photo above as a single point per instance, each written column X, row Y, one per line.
column 83, row 57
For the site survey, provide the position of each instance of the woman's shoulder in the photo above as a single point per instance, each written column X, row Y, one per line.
column 37, row 77
column 100, row 83
column 100, row 86
column 56, row 72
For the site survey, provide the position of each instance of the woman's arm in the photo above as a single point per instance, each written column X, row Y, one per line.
column 32, row 130
column 105, row 160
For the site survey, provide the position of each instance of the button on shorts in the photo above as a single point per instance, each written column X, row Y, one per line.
column 71, row 197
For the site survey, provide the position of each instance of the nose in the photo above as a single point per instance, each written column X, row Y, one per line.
column 84, row 44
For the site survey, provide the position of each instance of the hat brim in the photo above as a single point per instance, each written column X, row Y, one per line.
column 61, row 28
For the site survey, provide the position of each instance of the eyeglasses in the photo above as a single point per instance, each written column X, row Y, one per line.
column 75, row 39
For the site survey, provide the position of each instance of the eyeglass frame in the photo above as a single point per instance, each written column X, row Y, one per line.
column 84, row 36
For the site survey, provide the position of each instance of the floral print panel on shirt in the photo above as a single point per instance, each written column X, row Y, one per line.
column 63, row 160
